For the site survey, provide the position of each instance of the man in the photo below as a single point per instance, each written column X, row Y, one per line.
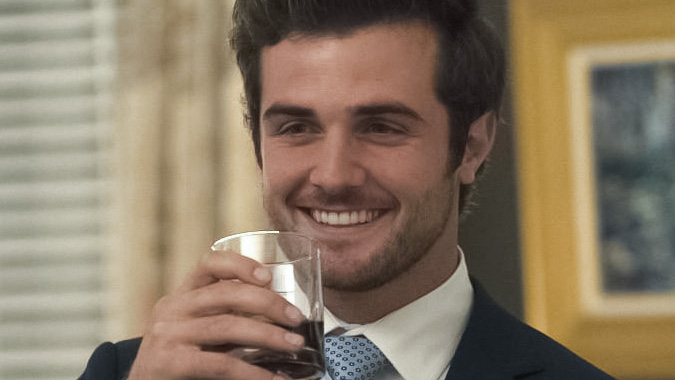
column 371, row 120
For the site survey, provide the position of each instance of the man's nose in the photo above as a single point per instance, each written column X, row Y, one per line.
column 339, row 164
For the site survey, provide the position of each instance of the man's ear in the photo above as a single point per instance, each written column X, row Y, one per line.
column 479, row 143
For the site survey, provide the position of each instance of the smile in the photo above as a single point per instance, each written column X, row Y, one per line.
column 344, row 218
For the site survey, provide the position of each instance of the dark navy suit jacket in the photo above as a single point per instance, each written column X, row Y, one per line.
column 494, row 346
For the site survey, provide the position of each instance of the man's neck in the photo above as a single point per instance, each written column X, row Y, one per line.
column 368, row 306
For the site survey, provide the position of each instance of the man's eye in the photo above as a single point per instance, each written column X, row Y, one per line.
column 381, row 128
column 293, row 129
column 385, row 132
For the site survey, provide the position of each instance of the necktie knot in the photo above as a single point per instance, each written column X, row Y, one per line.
column 353, row 358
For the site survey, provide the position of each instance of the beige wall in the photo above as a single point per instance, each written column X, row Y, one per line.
column 184, row 170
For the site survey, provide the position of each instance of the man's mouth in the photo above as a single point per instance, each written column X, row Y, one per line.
column 344, row 218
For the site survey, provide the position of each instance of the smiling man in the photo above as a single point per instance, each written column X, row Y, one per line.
column 371, row 120
column 355, row 153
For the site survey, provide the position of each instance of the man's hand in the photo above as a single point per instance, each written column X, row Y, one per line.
column 224, row 301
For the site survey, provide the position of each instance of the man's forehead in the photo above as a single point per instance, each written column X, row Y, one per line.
column 402, row 41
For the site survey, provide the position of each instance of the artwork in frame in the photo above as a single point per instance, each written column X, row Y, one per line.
column 633, row 122
column 622, row 112
column 594, row 102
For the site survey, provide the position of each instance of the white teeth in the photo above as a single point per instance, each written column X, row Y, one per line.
column 344, row 218
column 353, row 217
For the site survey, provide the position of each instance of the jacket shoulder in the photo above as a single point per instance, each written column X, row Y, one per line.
column 551, row 360
column 111, row 361
column 496, row 345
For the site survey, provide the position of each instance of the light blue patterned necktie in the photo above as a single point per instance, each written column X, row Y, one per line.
column 354, row 358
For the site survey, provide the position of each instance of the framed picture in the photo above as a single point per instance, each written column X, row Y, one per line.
column 595, row 119
column 622, row 114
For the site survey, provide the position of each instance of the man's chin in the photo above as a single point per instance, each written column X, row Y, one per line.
column 359, row 280
column 350, row 285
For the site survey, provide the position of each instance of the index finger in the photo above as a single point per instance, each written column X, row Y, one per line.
column 226, row 265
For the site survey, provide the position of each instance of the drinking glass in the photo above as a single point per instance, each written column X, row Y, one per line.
column 293, row 260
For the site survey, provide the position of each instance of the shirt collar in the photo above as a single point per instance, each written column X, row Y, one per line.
column 427, row 330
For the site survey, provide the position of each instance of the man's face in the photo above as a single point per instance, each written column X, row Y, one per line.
column 355, row 149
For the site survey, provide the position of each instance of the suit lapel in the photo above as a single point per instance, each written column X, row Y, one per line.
column 494, row 345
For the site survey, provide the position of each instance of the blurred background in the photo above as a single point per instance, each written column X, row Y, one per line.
column 123, row 156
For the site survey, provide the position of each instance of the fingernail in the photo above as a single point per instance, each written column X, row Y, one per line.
column 294, row 314
column 262, row 274
column 294, row 339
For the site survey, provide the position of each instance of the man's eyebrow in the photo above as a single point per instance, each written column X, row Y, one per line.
column 385, row 108
column 280, row 109
column 374, row 109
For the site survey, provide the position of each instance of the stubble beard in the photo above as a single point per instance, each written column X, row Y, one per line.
column 426, row 221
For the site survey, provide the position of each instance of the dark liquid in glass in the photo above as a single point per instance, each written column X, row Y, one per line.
column 306, row 364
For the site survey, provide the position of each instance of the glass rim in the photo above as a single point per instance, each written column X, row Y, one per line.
column 309, row 256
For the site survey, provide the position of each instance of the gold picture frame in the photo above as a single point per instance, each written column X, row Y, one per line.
column 556, row 47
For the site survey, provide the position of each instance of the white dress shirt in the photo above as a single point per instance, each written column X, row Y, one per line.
column 421, row 338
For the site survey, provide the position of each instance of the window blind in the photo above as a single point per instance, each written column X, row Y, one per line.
column 57, row 68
